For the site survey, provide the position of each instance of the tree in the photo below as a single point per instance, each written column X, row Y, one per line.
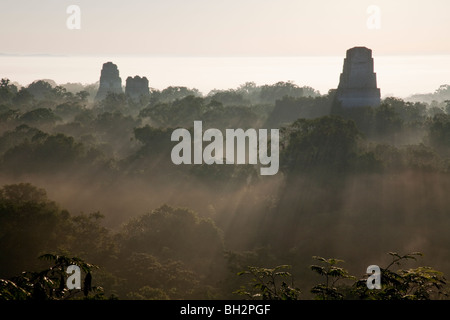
column 8, row 115
column 422, row 283
column 7, row 91
column 215, row 115
column 68, row 110
column 327, row 143
column 17, row 136
column 288, row 109
column 228, row 97
column 50, row 283
column 29, row 224
column 332, row 273
column 44, row 153
column 177, row 262
column 447, row 106
column 82, row 95
column 113, row 129
column 387, row 120
column 271, row 93
column 196, row 238
column 41, row 89
column 149, row 277
column 173, row 93
column 87, row 238
column 269, row 284
column 114, row 102
column 181, row 112
column 439, row 133
column 40, row 116
column 23, row 98
column 156, row 141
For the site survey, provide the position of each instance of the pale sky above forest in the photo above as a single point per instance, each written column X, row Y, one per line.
column 224, row 28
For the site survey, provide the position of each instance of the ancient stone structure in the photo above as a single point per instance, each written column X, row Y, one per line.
column 110, row 81
column 358, row 83
column 137, row 87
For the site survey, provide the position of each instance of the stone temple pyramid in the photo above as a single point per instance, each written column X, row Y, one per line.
column 358, row 83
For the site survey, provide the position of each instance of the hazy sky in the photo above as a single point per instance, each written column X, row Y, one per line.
column 224, row 27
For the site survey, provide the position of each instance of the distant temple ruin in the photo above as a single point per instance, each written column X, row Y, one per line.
column 358, row 83
column 137, row 87
column 110, row 81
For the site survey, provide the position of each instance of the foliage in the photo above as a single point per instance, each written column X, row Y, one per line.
column 228, row 97
column 89, row 238
column 289, row 109
column 269, row 284
column 29, row 224
column 44, row 153
column 422, row 283
column 153, row 233
column 113, row 103
column 7, row 91
column 181, row 112
column 50, row 283
column 332, row 274
column 172, row 93
column 154, row 278
column 439, row 133
column 440, row 94
column 41, row 89
column 327, row 143
column 40, row 116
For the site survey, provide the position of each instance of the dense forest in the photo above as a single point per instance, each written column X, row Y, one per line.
column 91, row 182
